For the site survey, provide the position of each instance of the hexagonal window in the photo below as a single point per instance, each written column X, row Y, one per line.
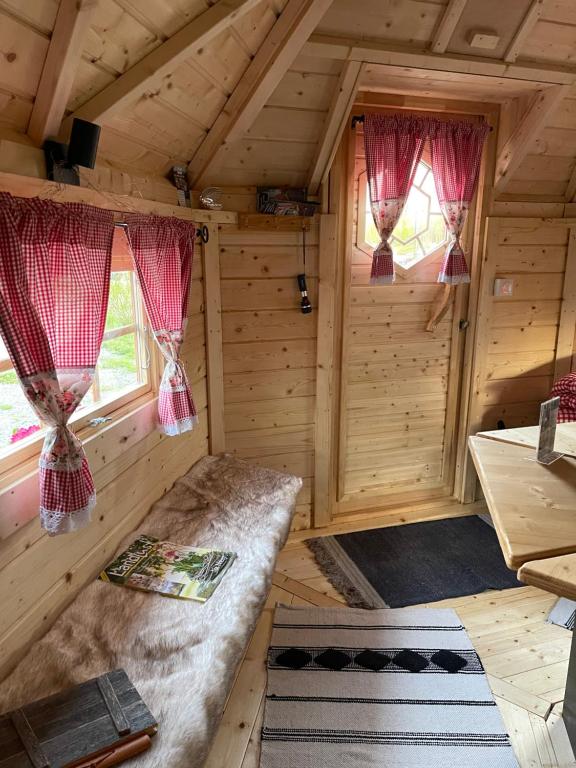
column 421, row 229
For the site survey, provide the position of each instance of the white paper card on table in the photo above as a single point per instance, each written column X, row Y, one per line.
column 545, row 453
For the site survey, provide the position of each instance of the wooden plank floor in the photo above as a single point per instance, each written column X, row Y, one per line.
column 525, row 658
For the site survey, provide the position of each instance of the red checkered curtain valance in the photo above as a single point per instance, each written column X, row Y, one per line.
column 456, row 150
column 54, row 282
column 393, row 146
column 163, row 250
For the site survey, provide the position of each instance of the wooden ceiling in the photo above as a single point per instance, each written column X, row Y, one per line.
column 257, row 91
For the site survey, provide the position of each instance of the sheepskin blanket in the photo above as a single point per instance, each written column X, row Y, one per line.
column 180, row 655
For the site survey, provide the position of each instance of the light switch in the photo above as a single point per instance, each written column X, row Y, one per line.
column 503, row 286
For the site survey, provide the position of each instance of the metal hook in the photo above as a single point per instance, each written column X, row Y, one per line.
column 203, row 233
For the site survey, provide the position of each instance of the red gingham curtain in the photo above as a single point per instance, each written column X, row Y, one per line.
column 54, row 282
column 456, row 149
column 565, row 389
column 163, row 250
column 393, row 146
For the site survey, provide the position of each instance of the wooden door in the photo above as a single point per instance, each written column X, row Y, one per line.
column 399, row 382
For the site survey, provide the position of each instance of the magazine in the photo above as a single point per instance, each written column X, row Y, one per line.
column 188, row 573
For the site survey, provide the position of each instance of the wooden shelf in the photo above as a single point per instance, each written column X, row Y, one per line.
column 263, row 221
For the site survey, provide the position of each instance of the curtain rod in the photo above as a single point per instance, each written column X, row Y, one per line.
column 360, row 119
column 202, row 232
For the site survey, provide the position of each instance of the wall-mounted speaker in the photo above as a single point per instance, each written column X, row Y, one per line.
column 62, row 161
column 83, row 144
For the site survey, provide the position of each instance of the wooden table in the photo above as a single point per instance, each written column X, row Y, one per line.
column 533, row 508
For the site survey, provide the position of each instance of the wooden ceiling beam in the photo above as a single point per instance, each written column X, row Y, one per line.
column 64, row 52
column 526, row 26
column 162, row 60
column 374, row 52
column 335, row 123
column 448, row 23
column 521, row 139
column 271, row 62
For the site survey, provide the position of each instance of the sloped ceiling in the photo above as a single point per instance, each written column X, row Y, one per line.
column 167, row 125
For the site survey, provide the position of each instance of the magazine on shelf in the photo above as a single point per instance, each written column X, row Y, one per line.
column 174, row 570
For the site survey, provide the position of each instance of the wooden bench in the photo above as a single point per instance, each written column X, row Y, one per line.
column 181, row 656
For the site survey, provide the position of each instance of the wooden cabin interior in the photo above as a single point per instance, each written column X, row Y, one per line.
column 338, row 239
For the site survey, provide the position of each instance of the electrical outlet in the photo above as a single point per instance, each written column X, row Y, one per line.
column 503, row 286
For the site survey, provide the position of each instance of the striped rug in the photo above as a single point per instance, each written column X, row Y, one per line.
column 349, row 688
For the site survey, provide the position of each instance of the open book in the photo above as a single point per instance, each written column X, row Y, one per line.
column 189, row 573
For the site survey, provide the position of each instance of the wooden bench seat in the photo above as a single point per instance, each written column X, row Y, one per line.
column 181, row 655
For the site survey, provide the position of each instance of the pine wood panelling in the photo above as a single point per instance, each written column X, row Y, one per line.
column 518, row 351
column 269, row 351
column 410, row 21
column 279, row 146
column 261, row 385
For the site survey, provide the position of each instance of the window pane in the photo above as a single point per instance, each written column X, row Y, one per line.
column 17, row 417
column 118, row 370
column 371, row 233
column 406, row 254
column 120, row 305
column 414, row 218
column 117, row 364
column 421, row 171
column 421, row 229
column 430, row 188
column 435, row 235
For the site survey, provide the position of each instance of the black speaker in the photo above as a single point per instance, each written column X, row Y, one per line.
column 83, row 144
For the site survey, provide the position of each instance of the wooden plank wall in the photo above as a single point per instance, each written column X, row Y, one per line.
column 133, row 466
column 280, row 145
column 518, row 350
column 269, row 352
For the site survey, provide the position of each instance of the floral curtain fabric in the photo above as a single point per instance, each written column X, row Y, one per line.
column 456, row 150
column 163, row 250
column 54, row 282
column 393, row 146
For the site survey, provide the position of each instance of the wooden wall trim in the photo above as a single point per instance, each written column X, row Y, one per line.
column 325, row 370
column 28, row 186
column 465, row 478
column 214, row 355
column 398, row 55
column 565, row 342
column 335, row 124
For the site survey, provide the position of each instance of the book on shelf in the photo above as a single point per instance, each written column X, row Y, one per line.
column 173, row 570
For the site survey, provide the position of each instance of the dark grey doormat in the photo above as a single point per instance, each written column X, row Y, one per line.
column 412, row 564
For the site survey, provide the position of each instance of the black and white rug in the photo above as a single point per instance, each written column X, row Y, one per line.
column 361, row 689
column 406, row 565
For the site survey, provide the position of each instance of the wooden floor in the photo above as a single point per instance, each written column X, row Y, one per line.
column 525, row 658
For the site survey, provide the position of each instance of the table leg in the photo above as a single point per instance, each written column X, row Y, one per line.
column 569, row 706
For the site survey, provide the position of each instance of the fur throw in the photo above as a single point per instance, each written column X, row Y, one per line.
column 180, row 655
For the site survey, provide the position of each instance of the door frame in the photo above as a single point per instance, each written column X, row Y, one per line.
column 338, row 198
